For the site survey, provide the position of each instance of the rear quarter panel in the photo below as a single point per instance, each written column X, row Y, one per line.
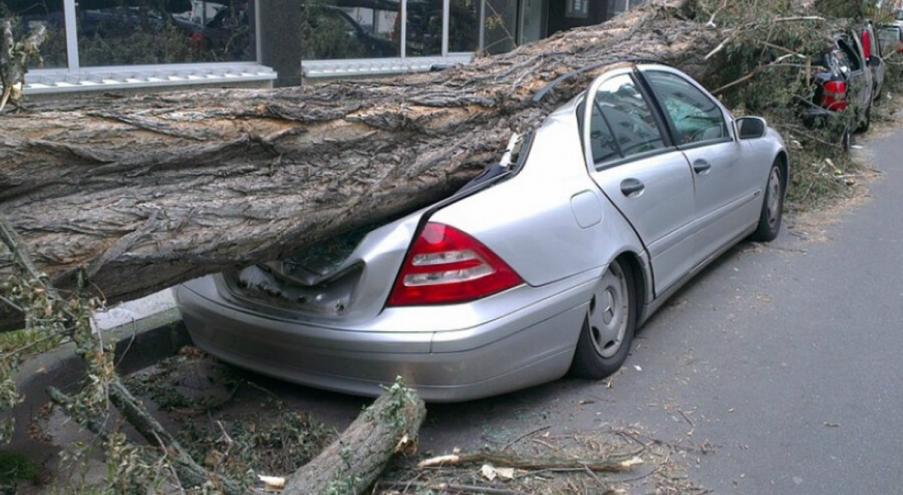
column 550, row 221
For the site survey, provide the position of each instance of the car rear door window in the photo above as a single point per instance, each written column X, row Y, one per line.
column 851, row 55
column 696, row 117
column 622, row 123
column 601, row 139
column 840, row 62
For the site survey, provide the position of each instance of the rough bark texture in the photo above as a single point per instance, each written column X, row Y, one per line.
column 353, row 462
column 145, row 192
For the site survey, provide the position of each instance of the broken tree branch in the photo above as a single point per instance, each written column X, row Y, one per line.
column 354, row 461
column 501, row 459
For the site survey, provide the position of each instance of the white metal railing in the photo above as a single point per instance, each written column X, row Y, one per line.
column 380, row 66
column 138, row 76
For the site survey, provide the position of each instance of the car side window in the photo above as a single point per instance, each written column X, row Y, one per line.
column 696, row 117
column 852, row 57
column 890, row 40
column 840, row 62
column 622, row 123
column 601, row 139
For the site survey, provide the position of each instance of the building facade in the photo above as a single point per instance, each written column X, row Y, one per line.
column 139, row 44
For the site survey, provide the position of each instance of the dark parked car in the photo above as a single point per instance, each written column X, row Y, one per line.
column 871, row 45
column 845, row 81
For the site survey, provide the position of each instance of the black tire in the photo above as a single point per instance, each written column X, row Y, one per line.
column 772, row 214
column 846, row 139
column 589, row 360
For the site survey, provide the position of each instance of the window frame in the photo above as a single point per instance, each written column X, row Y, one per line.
column 585, row 118
column 672, row 128
column 403, row 63
column 77, row 78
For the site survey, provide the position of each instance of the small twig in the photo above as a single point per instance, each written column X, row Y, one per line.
column 525, row 435
column 126, row 350
column 12, row 303
column 592, row 475
column 757, row 70
column 721, row 45
column 545, row 444
column 686, row 418
column 711, row 22
column 30, row 345
column 800, row 18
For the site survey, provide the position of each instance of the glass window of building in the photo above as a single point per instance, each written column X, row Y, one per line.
column 499, row 26
column 464, row 25
column 532, row 21
column 331, row 31
column 577, row 9
column 130, row 32
column 424, row 28
column 28, row 14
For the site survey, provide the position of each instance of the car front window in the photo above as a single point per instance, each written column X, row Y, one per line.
column 695, row 116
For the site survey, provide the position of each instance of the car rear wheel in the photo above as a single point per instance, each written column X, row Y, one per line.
column 772, row 208
column 609, row 325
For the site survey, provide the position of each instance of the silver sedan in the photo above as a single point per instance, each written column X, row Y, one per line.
column 545, row 264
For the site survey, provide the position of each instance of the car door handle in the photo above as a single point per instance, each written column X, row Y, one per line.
column 632, row 187
column 701, row 166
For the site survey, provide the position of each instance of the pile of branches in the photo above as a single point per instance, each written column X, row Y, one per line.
column 349, row 465
column 770, row 52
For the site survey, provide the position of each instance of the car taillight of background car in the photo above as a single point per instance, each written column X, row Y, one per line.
column 834, row 96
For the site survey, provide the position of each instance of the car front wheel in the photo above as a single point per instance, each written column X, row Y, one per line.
column 609, row 325
column 772, row 208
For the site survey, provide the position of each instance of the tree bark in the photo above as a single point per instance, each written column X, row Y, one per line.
column 145, row 192
column 355, row 460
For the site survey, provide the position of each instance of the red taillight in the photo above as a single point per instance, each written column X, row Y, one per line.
column 834, row 96
column 447, row 266
column 867, row 45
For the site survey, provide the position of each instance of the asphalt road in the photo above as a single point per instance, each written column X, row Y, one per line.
column 785, row 357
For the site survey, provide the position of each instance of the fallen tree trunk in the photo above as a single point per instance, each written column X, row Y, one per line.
column 145, row 192
column 356, row 459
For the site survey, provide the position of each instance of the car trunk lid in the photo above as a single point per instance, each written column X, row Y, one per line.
column 349, row 278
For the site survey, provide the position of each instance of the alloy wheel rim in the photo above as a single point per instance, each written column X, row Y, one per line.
column 609, row 312
column 774, row 196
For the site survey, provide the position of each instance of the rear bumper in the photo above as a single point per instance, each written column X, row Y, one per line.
column 530, row 345
column 818, row 117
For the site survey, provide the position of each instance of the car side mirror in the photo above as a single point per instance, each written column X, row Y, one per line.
column 751, row 127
